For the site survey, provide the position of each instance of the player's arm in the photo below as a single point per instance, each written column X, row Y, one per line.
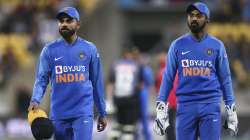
column 224, row 75
column 98, row 88
column 168, row 75
column 162, row 119
column 43, row 72
column 97, row 81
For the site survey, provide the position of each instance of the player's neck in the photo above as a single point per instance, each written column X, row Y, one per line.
column 199, row 35
column 71, row 39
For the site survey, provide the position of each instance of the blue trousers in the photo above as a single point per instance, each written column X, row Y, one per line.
column 201, row 120
column 79, row 128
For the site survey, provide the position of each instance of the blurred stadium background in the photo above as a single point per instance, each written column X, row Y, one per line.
column 26, row 25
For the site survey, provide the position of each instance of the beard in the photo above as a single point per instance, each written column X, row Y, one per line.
column 66, row 33
column 195, row 27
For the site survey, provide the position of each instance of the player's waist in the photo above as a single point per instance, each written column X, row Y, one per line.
column 55, row 116
column 65, row 111
column 72, row 87
column 198, row 97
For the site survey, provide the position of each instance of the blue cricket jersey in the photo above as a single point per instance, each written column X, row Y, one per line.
column 75, row 73
column 203, row 70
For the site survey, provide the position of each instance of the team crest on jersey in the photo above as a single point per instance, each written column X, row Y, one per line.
column 209, row 51
column 81, row 55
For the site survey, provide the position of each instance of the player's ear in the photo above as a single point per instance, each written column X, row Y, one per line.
column 207, row 20
column 78, row 24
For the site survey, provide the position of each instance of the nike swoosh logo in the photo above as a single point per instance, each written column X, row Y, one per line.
column 183, row 53
column 56, row 59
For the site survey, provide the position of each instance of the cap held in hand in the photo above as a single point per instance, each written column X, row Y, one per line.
column 41, row 126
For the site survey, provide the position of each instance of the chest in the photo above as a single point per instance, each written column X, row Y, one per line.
column 73, row 56
column 197, row 54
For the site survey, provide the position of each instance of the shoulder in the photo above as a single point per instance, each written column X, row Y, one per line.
column 53, row 44
column 180, row 41
column 49, row 47
column 215, row 41
column 183, row 38
column 86, row 43
column 89, row 47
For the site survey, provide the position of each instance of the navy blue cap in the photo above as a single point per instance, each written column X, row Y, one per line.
column 42, row 128
column 201, row 7
column 70, row 11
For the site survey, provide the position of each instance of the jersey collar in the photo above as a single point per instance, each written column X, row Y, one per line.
column 72, row 44
column 198, row 40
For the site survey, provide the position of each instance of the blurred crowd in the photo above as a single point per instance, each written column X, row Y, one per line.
column 238, row 52
column 226, row 10
column 25, row 28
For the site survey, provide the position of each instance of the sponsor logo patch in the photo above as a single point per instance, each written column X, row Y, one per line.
column 68, row 74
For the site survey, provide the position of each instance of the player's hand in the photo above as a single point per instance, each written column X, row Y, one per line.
column 34, row 106
column 162, row 121
column 231, row 121
column 101, row 123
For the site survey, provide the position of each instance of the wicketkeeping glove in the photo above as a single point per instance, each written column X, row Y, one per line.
column 162, row 121
column 231, row 121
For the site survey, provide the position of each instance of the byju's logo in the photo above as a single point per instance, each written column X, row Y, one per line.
column 68, row 74
column 59, row 70
column 196, row 67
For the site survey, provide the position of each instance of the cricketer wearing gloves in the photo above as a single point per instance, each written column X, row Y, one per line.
column 73, row 67
column 204, row 76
